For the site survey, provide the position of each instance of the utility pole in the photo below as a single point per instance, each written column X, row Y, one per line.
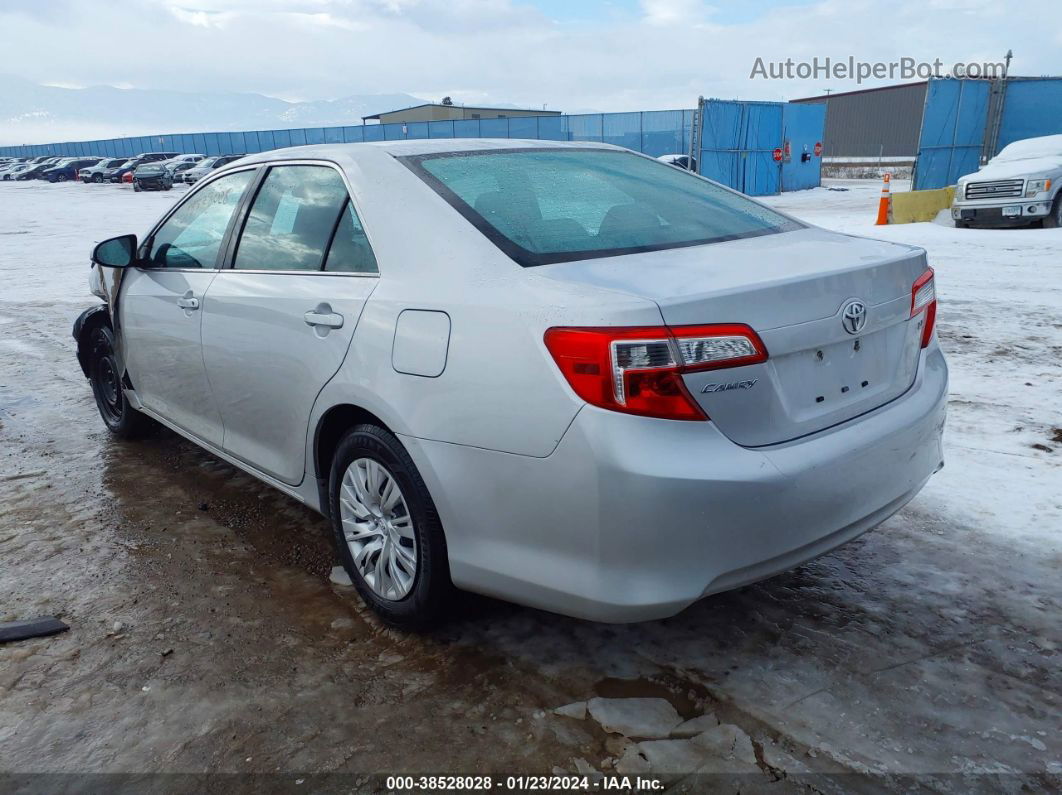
column 1006, row 67
column 827, row 90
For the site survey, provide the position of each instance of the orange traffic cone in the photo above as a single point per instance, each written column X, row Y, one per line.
column 885, row 203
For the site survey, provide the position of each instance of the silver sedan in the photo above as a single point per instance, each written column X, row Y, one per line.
column 562, row 374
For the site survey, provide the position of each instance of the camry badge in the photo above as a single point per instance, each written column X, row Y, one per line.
column 727, row 387
column 854, row 316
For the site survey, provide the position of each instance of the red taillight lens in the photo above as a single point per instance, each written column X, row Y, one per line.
column 639, row 370
column 924, row 299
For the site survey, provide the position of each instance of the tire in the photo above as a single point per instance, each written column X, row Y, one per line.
column 136, row 186
column 961, row 225
column 404, row 594
column 121, row 419
column 97, row 178
column 1053, row 220
column 60, row 178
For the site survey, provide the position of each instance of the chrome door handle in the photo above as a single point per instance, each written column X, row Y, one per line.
column 188, row 303
column 326, row 319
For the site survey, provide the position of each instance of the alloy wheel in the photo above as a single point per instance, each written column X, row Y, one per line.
column 378, row 528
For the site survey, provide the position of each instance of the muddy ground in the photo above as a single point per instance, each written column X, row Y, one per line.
column 206, row 635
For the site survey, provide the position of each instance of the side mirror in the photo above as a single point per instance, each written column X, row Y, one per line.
column 118, row 252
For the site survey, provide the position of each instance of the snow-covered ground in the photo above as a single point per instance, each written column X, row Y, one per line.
column 928, row 646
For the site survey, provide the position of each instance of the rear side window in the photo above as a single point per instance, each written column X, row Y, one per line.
column 557, row 205
column 350, row 250
column 291, row 221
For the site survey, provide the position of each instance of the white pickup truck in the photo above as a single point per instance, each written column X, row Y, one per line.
column 1020, row 185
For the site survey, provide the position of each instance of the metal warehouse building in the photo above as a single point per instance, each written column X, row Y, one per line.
column 873, row 124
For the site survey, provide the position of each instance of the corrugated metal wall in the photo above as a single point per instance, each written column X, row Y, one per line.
column 654, row 132
column 960, row 127
column 737, row 141
column 877, row 122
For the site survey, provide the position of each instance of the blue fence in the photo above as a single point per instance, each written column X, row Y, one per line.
column 738, row 142
column 963, row 122
column 654, row 132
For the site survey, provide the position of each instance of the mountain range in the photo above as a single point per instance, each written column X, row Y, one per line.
column 34, row 113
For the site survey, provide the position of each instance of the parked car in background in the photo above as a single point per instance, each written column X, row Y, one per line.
column 95, row 173
column 629, row 388
column 116, row 174
column 1021, row 185
column 182, row 161
column 11, row 172
column 68, row 170
column 152, row 176
column 35, row 171
column 151, row 157
column 679, row 161
column 179, row 170
column 207, row 165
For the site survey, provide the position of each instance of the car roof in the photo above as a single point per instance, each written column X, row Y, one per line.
column 381, row 149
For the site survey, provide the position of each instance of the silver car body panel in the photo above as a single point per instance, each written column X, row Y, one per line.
column 546, row 500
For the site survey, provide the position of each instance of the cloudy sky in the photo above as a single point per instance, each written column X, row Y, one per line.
column 573, row 55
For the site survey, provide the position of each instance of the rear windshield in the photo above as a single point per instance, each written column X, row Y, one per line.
column 557, row 205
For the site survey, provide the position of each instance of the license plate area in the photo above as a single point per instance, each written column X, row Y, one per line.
column 1010, row 212
column 842, row 374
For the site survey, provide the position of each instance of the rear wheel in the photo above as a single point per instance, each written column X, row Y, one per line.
column 1053, row 220
column 60, row 178
column 386, row 529
column 136, row 186
column 120, row 418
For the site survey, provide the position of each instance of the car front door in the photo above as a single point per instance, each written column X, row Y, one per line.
column 160, row 307
column 281, row 316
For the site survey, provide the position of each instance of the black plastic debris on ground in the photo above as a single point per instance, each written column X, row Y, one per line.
column 33, row 628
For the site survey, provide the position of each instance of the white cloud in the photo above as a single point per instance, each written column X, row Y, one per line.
column 506, row 51
column 674, row 12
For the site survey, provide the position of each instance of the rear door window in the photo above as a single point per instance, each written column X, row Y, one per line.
column 292, row 219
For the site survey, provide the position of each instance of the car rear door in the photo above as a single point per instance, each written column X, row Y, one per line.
column 281, row 315
column 161, row 303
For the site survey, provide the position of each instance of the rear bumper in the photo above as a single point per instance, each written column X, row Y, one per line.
column 633, row 519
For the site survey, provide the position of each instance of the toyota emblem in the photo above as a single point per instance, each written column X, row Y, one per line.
column 854, row 316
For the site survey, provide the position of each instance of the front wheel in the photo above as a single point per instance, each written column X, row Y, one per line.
column 386, row 529
column 97, row 178
column 136, row 186
column 1053, row 220
column 120, row 418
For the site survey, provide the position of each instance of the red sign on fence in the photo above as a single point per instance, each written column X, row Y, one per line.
column 777, row 154
column 818, row 148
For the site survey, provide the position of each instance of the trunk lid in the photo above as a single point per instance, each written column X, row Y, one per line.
column 792, row 289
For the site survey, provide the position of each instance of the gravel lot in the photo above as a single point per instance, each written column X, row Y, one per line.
column 206, row 635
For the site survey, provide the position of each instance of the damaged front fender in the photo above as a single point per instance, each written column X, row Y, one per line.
column 83, row 326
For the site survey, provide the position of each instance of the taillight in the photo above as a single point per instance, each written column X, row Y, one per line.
column 924, row 299
column 638, row 370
